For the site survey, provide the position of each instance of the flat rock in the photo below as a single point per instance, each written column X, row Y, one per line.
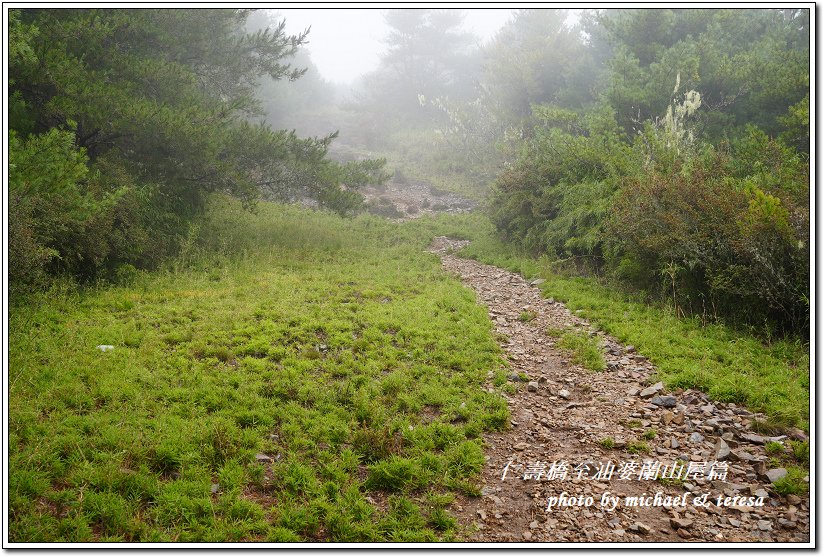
column 776, row 474
column 564, row 394
column 532, row 386
column 652, row 390
column 696, row 438
column 678, row 523
column 722, row 450
column 664, row 401
column 640, row 528
column 752, row 438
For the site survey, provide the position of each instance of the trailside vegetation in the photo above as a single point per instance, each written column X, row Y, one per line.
column 686, row 176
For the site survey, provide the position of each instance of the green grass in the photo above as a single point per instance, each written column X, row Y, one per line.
column 774, row 447
column 649, row 434
column 728, row 364
column 607, row 443
column 793, row 483
column 339, row 348
column 585, row 350
column 638, row 447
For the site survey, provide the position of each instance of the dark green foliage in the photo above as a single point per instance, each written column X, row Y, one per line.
column 137, row 116
column 713, row 241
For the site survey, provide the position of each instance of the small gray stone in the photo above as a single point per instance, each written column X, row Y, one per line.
column 696, row 438
column 776, row 474
column 105, row 347
column 664, row 401
column 788, row 524
column 764, row 525
column 532, row 386
column 722, row 450
column 537, row 282
column 214, row 488
column 260, row 457
column 564, row 394
column 752, row 438
column 651, row 391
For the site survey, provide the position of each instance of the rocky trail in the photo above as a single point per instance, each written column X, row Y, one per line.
column 611, row 437
column 401, row 201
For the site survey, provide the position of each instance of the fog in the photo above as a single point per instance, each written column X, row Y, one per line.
column 347, row 43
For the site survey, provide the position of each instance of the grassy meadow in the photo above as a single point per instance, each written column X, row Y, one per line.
column 337, row 348
column 296, row 376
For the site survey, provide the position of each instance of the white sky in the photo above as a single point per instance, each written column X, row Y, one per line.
column 346, row 43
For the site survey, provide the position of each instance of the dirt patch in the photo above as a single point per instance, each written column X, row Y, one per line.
column 569, row 425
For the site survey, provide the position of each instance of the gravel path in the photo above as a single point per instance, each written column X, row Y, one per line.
column 562, row 415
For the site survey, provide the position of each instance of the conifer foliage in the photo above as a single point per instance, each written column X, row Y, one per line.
column 123, row 121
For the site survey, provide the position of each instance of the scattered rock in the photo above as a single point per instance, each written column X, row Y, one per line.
column 678, row 523
column 696, row 438
column 214, row 488
column 776, row 474
column 752, row 438
column 665, row 401
column 105, row 347
column 798, row 434
column 787, row 524
column 722, row 450
column 640, row 528
column 537, row 282
column 607, row 406
column 260, row 457
column 651, row 391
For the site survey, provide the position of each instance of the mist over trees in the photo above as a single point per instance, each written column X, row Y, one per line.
column 123, row 122
column 665, row 150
